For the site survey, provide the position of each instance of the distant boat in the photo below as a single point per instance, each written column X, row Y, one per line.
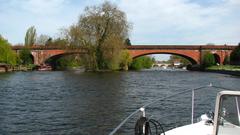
column 45, row 68
column 165, row 67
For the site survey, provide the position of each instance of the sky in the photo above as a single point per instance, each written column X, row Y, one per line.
column 180, row 22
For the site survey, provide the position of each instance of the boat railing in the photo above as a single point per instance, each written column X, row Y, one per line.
column 142, row 110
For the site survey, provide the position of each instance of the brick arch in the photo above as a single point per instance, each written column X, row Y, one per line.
column 32, row 58
column 40, row 56
column 192, row 56
column 52, row 60
column 61, row 55
column 217, row 58
column 221, row 54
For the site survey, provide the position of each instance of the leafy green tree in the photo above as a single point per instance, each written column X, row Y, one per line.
column 6, row 54
column 25, row 56
column 136, row 64
column 208, row 59
column 235, row 56
column 30, row 37
column 142, row 62
column 70, row 61
column 148, row 62
column 101, row 30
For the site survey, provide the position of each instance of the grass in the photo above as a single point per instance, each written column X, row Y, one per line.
column 225, row 68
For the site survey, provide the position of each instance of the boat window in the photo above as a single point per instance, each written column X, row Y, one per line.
column 229, row 115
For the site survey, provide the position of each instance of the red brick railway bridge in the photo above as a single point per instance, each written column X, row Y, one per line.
column 41, row 54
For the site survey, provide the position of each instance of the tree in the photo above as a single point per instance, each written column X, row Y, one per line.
column 128, row 42
column 208, row 59
column 30, row 37
column 101, row 30
column 136, row 64
column 42, row 39
column 70, row 61
column 182, row 60
column 49, row 42
column 26, row 56
column 6, row 54
column 235, row 56
column 142, row 62
column 126, row 60
column 59, row 42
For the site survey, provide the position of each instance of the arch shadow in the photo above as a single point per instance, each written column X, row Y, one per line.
column 217, row 58
column 53, row 60
column 32, row 58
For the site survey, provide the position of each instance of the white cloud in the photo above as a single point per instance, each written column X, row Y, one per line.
column 47, row 15
column 181, row 21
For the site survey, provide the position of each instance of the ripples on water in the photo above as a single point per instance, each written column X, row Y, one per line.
column 95, row 103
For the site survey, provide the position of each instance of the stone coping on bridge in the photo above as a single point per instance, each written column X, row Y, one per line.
column 183, row 47
column 136, row 47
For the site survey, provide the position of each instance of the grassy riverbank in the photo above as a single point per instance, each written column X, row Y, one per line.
column 225, row 68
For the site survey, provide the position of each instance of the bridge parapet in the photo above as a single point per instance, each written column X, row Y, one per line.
column 183, row 47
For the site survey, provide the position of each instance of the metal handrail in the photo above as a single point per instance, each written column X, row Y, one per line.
column 158, row 99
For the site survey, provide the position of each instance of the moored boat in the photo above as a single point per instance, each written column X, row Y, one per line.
column 45, row 68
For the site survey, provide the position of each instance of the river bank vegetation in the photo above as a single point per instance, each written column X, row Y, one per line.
column 230, row 63
column 7, row 56
column 143, row 62
column 225, row 67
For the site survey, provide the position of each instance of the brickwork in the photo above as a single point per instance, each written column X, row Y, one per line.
column 192, row 53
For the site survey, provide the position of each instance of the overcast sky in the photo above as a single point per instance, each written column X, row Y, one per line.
column 154, row 21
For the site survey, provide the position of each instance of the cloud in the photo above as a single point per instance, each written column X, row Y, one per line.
column 47, row 15
column 182, row 21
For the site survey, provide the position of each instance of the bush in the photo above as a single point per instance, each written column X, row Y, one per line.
column 125, row 59
column 208, row 60
column 66, row 62
column 142, row 62
column 235, row 56
column 6, row 54
column 26, row 56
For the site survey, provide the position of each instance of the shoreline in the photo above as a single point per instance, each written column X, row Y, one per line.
column 227, row 72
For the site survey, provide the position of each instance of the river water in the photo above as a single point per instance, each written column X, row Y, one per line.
column 76, row 103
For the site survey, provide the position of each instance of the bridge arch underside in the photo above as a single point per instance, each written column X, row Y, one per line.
column 53, row 60
column 217, row 58
column 191, row 58
column 32, row 58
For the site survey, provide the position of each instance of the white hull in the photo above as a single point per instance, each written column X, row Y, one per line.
column 199, row 128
